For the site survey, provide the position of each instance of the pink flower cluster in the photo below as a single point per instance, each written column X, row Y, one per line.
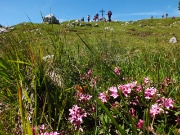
column 146, row 80
column 167, row 81
column 43, row 131
column 162, row 103
column 155, row 110
column 132, row 112
column 150, row 92
column 89, row 76
column 83, row 97
column 51, row 133
column 166, row 102
column 89, row 73
column 133, row 94
column 127, row 88
column 117, row 70
column 140, row 124
column 113, row 91
column 103, row 96
column 76, row 115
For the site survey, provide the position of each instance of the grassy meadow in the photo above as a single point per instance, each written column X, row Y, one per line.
column 114, row 78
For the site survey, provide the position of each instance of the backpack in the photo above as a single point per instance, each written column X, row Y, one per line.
column 110, row 12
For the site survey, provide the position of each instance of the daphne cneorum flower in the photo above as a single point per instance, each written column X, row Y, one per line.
column 117, row 70
column 103, row 96
column 76, row 116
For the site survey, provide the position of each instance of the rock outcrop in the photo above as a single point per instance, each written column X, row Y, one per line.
column 2, row 30
column 5, row 29
column 50, row 19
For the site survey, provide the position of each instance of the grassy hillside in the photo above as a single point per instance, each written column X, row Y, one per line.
column 154, row 31
column 122, row 77
column 151, row 32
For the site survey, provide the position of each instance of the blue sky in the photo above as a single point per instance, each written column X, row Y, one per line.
column 13, row 12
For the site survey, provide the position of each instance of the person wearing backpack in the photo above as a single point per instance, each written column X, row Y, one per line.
column 109, row 15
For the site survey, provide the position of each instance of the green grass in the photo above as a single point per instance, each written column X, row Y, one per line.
column 46, row 90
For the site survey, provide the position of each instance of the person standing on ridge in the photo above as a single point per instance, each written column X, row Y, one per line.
column 96, row 17
column 166, row 15
column 88, row 18
column 162, row 15
column 109, row 15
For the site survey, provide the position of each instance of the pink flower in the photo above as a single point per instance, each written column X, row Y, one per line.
column 150, row 92
column 114, row 104
column 177, row 120
column 167, row 81
column 114, row 92
column 42, row 131
column 146, row 80
column 169, row 103
column 179, row 130
column 132, row 112
column 161, row 90
column 34, row 130
column 133, row 84
column 93, row 108
column 103, row 96
column 42, row 127
column 139, row 88
column 166, row 102
column 76, row 115
column 83, row 77
column 117, row 70
column 51, row 133
column 155, row 110
column 83, row 97
column 127, row 88
column 140, row 124
column 88, row 75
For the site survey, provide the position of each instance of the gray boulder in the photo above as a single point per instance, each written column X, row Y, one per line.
column 50, row 19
